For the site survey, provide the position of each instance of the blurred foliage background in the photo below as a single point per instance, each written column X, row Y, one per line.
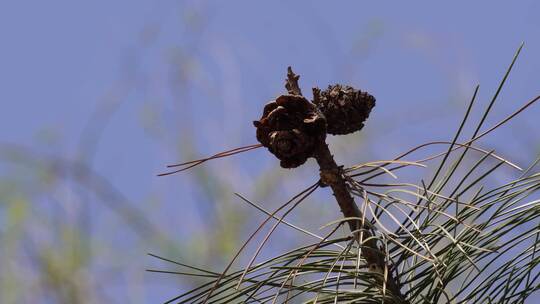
column 97, row 97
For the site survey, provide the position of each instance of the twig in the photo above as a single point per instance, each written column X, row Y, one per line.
column 291, row 83
column 331, row 175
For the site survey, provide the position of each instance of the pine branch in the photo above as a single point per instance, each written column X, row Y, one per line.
column 331, row 175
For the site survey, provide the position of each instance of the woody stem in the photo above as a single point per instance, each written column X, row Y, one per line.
column 375, row 258
column 331, row 175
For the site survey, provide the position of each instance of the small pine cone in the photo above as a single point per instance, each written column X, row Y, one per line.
column 345, row 108
column 291, row 127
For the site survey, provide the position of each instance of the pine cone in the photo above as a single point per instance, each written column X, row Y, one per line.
column 345, row 108
column 291, row 127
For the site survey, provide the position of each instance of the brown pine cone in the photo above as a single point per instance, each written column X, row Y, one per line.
column 291, row 127
column 345, row 108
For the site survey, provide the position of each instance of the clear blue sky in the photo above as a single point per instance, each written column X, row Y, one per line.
column 64, row 63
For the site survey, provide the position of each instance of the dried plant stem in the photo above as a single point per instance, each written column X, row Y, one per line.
column 291, row 83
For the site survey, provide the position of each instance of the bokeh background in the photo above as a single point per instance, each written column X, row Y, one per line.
column 98, row 96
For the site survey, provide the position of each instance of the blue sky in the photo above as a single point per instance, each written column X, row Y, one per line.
column 125, row 85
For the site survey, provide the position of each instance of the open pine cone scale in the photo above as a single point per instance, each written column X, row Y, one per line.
column 291, row 126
